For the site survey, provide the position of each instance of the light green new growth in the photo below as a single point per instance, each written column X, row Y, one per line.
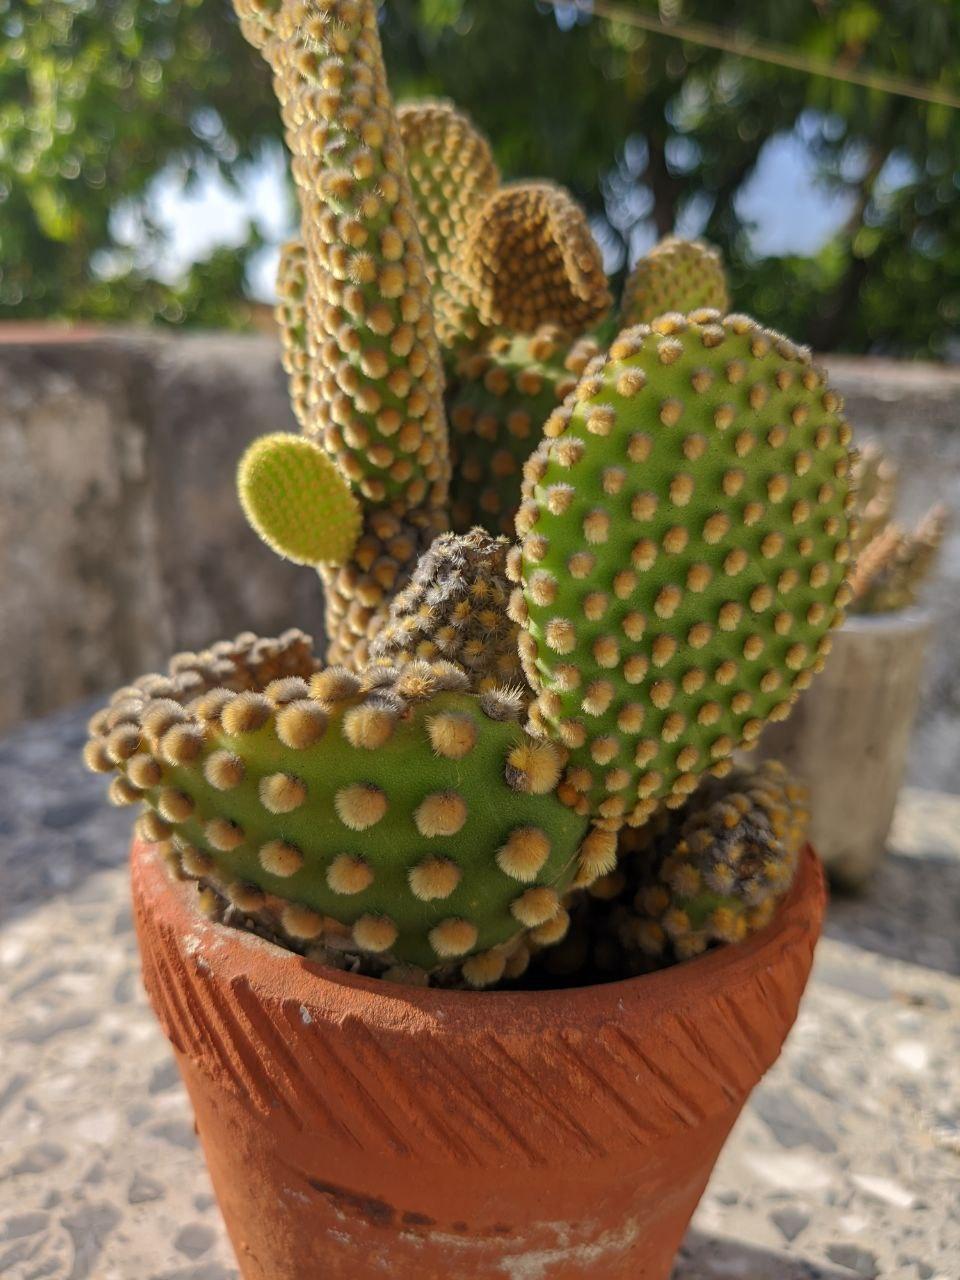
column 676, row 275
column 297, row 501
column 684, row 541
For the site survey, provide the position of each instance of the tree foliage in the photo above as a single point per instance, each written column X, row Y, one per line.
column 98, row 96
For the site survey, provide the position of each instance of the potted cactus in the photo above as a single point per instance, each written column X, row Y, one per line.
column 435, row 923
column 860, row 715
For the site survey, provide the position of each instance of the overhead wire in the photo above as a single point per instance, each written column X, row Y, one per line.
column 749, row 46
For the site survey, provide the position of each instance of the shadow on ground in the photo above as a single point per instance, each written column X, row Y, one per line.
column 56, row 828
column 910, row 912
column 706, row 1257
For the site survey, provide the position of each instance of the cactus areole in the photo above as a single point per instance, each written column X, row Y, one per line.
column 574, row 556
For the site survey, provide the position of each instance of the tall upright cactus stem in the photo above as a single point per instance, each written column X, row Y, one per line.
column 375, row 382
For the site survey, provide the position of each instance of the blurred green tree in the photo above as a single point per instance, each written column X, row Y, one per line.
column 651, row 132
column 97, row 97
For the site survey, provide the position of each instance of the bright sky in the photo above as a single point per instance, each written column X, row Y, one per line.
column 790, row 212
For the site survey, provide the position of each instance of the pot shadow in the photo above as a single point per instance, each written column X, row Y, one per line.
column 910, row 911
column 706, row 1257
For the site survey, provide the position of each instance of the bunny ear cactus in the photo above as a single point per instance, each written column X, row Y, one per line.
column 684, row 545
column 494, row 712
column 394, row 814
column 452, row 172
column 499, row 396
column 676, row 275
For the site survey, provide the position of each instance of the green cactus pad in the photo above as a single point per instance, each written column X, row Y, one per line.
column 497, row 401
column 452, row 172
column 455, row 608
column 716, row 870
column 677, row 275
column 529, row 259
column 684, row 541
column 397, row 814
column 296, row 500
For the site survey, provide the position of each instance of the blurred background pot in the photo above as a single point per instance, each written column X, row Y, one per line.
column 848, row 735
column 356, row 1129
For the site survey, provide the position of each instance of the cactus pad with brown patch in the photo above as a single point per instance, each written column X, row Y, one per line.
column 455, row 607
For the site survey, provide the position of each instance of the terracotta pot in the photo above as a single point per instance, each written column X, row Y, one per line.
column 848, row 735
column 357, row 1130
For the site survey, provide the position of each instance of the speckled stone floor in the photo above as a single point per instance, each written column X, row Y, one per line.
column 846, row 1162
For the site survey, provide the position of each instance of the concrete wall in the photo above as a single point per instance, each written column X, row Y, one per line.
column 121, row 539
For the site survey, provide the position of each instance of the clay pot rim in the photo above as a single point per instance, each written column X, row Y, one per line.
column 285, row 976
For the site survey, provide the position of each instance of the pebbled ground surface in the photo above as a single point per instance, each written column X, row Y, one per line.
column 846, row 1162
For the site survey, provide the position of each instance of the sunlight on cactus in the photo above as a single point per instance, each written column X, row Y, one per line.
column 650, row 548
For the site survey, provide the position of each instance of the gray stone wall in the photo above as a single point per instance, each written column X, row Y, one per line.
column 121, row 539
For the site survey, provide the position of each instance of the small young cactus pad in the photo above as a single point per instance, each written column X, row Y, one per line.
column 677, row 275
column 684, row 543
column 297, row 501
column 455, row 608
column 398, row 812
